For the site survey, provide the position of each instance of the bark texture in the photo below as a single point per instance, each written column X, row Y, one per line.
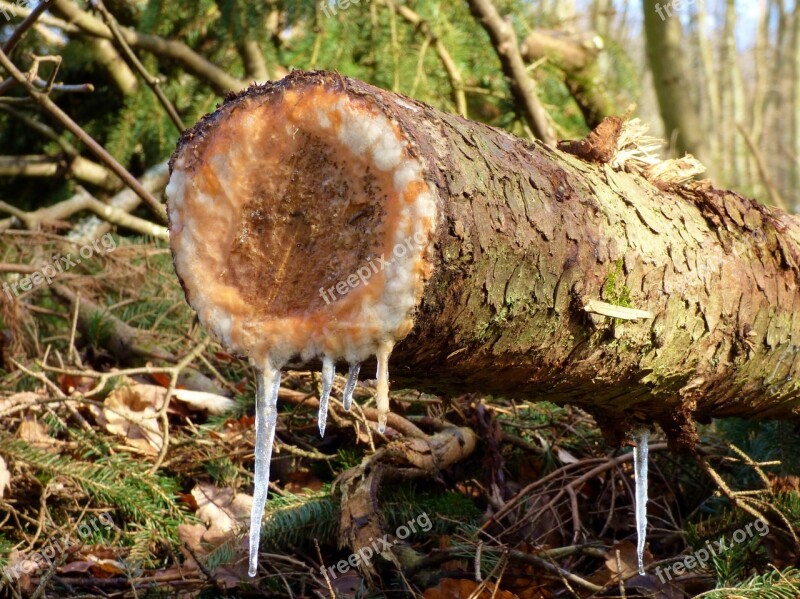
column 527, row 235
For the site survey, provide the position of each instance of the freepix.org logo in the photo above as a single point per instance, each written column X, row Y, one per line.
column 365, row 554
column 53, row 548
column 701, row 557
column 61, row 264
column 29, row 4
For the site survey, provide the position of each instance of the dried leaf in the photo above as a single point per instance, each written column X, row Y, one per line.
column 161, row 378
column 301, row 480
column 222, row 510
column 565, row 457
column 69, row 384
column 192, row 537
column 34, row 432
column 132, row 413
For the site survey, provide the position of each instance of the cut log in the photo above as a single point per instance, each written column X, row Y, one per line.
column 320, row 216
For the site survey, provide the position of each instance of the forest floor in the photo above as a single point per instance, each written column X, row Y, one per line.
column 106, row 490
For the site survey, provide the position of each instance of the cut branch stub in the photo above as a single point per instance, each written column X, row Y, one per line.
column 299, row 218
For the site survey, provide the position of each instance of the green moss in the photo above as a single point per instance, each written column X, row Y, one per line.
column 614, row 291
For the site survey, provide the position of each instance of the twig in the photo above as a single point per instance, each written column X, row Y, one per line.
column 175, row 372
column 45, row 102
column 17, row 34
column 763, row 171
column 606, row 465
column 573, row 578
column 194, row 63
column 84, row 201
column 523, row 88
column 79, row 167
column 7, row 84
column 395, row 421
column 75, row 312
column 322, row 569
column 450, row 66
column 732, row 495
column 42, row 129
column 151, row 81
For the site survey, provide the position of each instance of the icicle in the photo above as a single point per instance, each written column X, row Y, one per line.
column 328, row 372
column 267, row 386
column 352, row 380
column 382, row 388
column 640, row 451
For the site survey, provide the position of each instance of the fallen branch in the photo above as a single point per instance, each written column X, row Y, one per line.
column 53, row 166
column 110, row 180
column 523, row 87
column 577, row 56
column 94, row 227
column 203, row 69
column 360, row 520
column 486, row 251
column 50, row 107
column 78, row 203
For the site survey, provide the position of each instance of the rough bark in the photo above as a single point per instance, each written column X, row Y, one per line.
column 527, row 235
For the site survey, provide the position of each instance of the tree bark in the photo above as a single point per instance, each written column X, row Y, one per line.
column 526, row 236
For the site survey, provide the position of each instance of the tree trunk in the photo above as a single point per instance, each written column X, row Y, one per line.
column 794, row 99
column 524, row 239
column 710, row 87
column 665, row 56
column 732, row 102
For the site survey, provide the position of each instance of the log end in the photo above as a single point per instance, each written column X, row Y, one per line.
column 300, row 219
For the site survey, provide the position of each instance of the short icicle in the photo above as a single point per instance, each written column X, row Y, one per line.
column 267, row 385
column 382, row 388
column 328, row 372
column 350, row 386
column 640, row 451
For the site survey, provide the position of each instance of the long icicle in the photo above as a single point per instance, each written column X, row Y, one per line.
column 640, row 452
column 350, row 386
column 328, row 372
column 268, row 383
column 382, row 387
